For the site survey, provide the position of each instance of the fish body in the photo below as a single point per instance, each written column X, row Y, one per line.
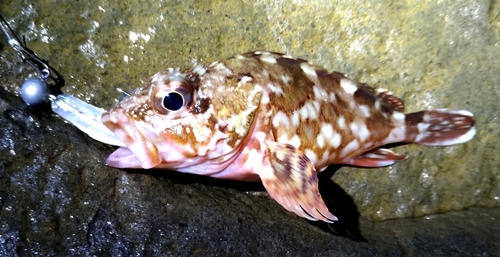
column 269, row 117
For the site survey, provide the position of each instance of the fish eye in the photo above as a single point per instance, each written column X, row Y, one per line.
column 169, row 100
column 173, row 101
column 171, row 92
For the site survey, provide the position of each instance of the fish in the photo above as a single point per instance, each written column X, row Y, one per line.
column 269, row 117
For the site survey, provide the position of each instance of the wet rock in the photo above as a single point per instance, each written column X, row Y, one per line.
column 57, row 198
column 437, row 54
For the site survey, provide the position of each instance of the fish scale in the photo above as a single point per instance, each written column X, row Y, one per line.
column 295, row 97
column 267, row 116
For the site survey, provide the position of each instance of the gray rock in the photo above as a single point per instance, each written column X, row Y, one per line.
column 437, row 54
column 57, row 198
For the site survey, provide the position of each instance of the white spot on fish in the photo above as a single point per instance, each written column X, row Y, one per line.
column 398, row 116
column 261, row 136
column 352, row 104
column 421, row 136
column 275, row 89
column 309, row 70
column 351, row 147
column 295, row 141
column 295, row 119
column 304, row 113
column 283, row 139
column 244, row 80
column 268, row 58
column 397, row 134
column 223, row 69
column 354, row 128
column 348, row 85
column 265, row 74
column 320, row 141
column 311, row 155
column 330, row 135
column 336, row 140
column 319, row 93
column 363, row 132
column 341, row 122
column 199, row 69
column 327, row 130
column 309, row 111
column 281, row 119
column 332, row 97
column 324, row 159
column 265, row 98
column 365, row 110
column 316, row 107
column 285, row 78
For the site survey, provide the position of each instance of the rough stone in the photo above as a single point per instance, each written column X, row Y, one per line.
column 437, row 54
column 433, row 54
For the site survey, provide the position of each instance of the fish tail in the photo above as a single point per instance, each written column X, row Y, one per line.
column 440, row 127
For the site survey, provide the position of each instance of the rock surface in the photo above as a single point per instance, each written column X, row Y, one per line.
column 442, row 54
column 57, row 198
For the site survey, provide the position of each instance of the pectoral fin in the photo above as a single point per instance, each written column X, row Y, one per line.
column 293, row 183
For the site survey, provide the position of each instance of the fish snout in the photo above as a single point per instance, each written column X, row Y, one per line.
column 145, row 153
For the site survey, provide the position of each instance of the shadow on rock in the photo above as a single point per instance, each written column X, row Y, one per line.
column 188, row 179
column 336, row 199
column 341, row 205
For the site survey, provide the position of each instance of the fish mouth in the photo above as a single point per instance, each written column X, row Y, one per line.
column 138, row 153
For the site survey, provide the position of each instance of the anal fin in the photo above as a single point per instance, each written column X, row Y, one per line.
column 379, row 157
column 293, row 183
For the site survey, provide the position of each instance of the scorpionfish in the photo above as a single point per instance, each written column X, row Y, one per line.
column 270, row 117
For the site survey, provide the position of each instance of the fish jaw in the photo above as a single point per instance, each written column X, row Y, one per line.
column 145, row 154
column 147, row 148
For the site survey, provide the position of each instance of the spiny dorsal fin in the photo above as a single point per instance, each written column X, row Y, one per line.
column 389, row 98
column 293, row 182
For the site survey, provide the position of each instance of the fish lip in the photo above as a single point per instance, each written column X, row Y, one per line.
column 145, row 151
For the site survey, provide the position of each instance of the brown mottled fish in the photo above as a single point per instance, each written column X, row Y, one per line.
column 267, row 116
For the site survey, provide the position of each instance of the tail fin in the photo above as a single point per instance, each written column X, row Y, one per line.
column 440, row 127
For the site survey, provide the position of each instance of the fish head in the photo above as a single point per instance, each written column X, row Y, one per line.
column 178, row 122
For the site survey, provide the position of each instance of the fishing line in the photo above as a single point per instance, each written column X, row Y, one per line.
column 36, row 90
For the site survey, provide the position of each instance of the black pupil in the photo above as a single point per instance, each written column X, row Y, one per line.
column 173, row 101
